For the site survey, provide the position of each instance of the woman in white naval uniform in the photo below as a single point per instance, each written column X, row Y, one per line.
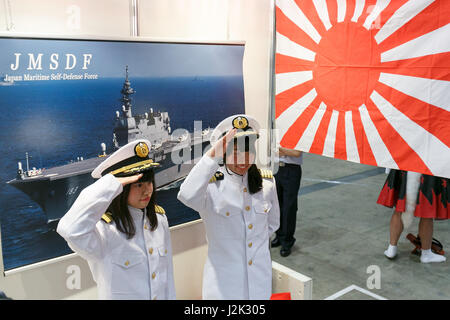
column 116, row 226
column 239, row 213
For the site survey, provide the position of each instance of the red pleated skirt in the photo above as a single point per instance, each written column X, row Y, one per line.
column 393, row 193
column 432, row 199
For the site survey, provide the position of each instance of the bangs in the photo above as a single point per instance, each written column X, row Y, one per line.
column 148, row 176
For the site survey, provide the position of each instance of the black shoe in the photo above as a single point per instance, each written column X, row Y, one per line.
column 284, row 252
column 275, row 243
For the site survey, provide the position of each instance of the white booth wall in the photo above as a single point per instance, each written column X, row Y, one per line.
column 250, row 21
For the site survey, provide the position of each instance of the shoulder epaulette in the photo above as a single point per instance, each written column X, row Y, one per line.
column 159, row 209
column 216, row 177
column 107, row 217
column 266, row 173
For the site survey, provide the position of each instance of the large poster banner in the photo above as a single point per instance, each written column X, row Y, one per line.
column 67, row 104
column 366, row 81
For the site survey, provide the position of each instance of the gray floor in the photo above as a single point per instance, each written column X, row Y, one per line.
column 341, row 232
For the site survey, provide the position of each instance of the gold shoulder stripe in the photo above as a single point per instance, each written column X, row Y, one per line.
column 266, row 173
column 159, row 209
column 107, row 217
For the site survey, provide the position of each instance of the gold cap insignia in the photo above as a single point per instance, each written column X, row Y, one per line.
column 240, row 123
column 141, row 150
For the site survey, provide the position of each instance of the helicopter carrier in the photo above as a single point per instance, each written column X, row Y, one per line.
column 55, row 189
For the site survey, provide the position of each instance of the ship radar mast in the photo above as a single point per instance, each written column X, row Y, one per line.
column 126, row 92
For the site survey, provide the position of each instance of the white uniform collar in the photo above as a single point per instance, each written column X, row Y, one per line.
column 136, row 214
column 234, row 176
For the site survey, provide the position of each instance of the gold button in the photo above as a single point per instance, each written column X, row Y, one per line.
column 250, row 226
column 227, row 213
column 250, row 245
column 247, row 208
column 145, row 227
column 150, row 250
column 245, row 189
column 127, row 263
column 250, row 262
column 265, row 210
column 153, row 275
column 154, row 298
column 165, row 251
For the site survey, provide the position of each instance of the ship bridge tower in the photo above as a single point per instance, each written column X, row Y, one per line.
column 125, row 123
column 126, row 91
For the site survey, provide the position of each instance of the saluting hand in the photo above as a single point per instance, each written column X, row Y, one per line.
column 131, row 179
column 219, row 148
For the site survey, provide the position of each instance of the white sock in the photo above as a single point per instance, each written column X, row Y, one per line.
column 428, row 256
column 391, row 251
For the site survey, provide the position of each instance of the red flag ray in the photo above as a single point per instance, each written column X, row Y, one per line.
column 287, row 98
column 434, row 66
column 436, row 15
column 284, row 63
column 403, row 155
column 288, row 28
column 340, row 148
column 387, row 13
column 332, row 11
column 396, row 15
column 379, row 150
column 308, row 136
column 307, row 7
column 349, row 10
column 433, row 151
column 432, row 119
column 330, row 138
column 362, row 13
column 364, row 150
column 319, row 138
column 295, row 132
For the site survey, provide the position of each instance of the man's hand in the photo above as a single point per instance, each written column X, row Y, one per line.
column 219, row 148
column 285, row 152
column 131, row 179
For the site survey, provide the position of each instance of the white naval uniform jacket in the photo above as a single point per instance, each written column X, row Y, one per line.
column 238, row 229
column 136, row 268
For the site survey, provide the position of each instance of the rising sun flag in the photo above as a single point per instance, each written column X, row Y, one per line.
column 365, row 81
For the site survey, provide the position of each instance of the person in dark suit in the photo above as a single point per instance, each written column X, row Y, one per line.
column 287, row 180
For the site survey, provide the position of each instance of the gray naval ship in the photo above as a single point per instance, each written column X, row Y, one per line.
column 55, row 189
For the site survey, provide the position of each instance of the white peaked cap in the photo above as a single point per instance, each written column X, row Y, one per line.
column 242, row 122
column 129, row 160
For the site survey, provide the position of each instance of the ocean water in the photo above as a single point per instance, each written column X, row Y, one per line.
column 57, row 121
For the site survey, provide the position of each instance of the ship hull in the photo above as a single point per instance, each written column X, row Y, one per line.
column 55, row 197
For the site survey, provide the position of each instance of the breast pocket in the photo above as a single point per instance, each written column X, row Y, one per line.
column 262, row 206
column 163, row 265
column 262, row 209
column 227, row 222
column 129, row 269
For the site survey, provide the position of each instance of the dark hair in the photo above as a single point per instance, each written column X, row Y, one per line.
column 254, row 179
column 253, row 175
column 121, row 215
